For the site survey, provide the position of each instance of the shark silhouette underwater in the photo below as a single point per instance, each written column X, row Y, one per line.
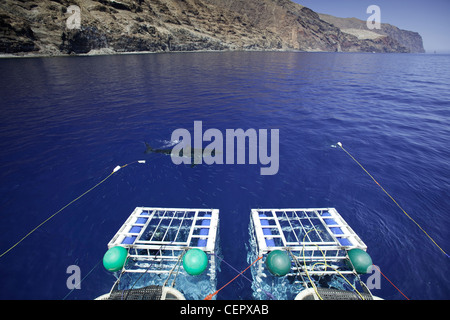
column 190, row 154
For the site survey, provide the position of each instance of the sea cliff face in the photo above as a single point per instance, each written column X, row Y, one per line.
column 108, row 26
column 409, row 39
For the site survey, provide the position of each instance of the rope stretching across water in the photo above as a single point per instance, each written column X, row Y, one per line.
column 74, row 200
column 210, row 296
column 340, row 145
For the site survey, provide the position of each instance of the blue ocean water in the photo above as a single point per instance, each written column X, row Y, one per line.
column 66, row 122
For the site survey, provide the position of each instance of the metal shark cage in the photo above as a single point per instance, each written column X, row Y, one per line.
column 157, row 239
column 317, row 241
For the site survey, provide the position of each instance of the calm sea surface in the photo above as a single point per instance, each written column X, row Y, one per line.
column 66, row 122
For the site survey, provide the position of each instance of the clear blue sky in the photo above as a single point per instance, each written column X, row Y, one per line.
column 430, row 18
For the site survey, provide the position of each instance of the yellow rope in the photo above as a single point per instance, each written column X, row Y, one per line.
column 340, row 145
column 326, row 266
column 46, row 220
column 350, row 284
column 306, row 269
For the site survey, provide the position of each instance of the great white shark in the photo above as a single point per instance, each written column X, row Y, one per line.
column 191, row 153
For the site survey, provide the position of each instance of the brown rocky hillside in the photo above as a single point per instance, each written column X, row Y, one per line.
column 110, row 26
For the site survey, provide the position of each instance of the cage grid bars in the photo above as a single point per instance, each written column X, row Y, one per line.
column 165, row 251
column 181, row 223
column 334, row 251
column 159, row 223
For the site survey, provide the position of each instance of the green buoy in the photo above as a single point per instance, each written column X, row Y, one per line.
column 278, row 263
column 195, row 261
column 360, row 259
column 114, row 259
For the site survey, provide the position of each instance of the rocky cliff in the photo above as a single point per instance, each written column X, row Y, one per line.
column 409, row 39
column 109, row 26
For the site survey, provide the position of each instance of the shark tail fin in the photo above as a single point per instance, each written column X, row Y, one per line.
column 148, row 147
